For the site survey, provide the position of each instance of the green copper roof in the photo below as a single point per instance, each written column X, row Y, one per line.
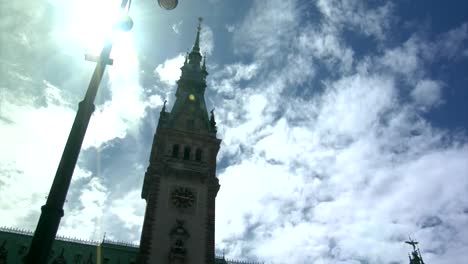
column 14, row 244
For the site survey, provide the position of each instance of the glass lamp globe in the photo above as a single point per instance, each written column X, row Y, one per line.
column 168, row 4
column 125, row 23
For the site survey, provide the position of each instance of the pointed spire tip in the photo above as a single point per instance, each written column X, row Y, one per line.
column 200, row 20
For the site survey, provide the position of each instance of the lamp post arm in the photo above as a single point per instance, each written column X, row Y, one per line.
column 52, row 211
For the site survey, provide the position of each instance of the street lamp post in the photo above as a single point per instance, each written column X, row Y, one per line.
column 52, row 211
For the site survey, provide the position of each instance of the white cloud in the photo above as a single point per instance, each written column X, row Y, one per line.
column 326, row 44
column 352, row 172
column 129, row 208
column 352, row 167
column 206, row 40
column 92, row 200
column 230, row 28
column 229, row 76
column 266, row 29
column 452, row 43
column 169, row 71
column 356, row 103
column 54, row 95
column 341, row 173
column 176, row 27
column 355, row 15
column 406, row 59
column 116, row 117
column 33, row 132
column 427, row 93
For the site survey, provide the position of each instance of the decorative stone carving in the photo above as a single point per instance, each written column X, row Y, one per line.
column 60, row 259
column 23, row 249
column 90, row 259
column 77, row 259
column 179, row 236
column 212, row 121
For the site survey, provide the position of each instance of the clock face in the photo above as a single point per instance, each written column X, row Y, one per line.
column 191, row 97
column 182, row 197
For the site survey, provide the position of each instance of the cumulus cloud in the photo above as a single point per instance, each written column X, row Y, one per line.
column 129, row 210
column 348, row 168
column 169, row 71
column 92, row 199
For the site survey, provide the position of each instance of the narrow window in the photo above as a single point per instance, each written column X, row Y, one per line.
column 198, row 155
column 190, row 124
column 175, row 150
column 186, row 153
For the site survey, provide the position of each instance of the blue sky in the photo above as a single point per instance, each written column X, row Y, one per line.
column 344, row 123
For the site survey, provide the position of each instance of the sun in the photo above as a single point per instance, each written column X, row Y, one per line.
column 89, row 22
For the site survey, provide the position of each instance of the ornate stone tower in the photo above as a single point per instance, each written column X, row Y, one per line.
column 180, row 184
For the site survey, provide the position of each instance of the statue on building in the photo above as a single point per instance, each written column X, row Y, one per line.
column 212, row 121
column 3, row 253
column 415, row 257
column 60, row 259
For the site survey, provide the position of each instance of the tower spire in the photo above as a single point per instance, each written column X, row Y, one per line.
column 196, row 46
column 195, row 56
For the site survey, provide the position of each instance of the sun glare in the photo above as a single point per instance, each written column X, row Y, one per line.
column 92, row 23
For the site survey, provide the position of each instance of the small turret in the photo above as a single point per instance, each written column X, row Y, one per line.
column 204, row 67
column 212, row 122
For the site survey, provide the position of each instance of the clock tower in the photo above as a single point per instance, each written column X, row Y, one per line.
column 180, row 184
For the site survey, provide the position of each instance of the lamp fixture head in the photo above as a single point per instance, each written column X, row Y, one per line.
column 168, row 4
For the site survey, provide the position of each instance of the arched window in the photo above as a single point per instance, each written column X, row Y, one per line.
column 190, row 124
column 186, row 153
column 198, row 155
column 175, row 150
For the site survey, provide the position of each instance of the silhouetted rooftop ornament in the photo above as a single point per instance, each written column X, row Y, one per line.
column 163, row 110
column 412, row 243
column 212, row 120
column 415, row 257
